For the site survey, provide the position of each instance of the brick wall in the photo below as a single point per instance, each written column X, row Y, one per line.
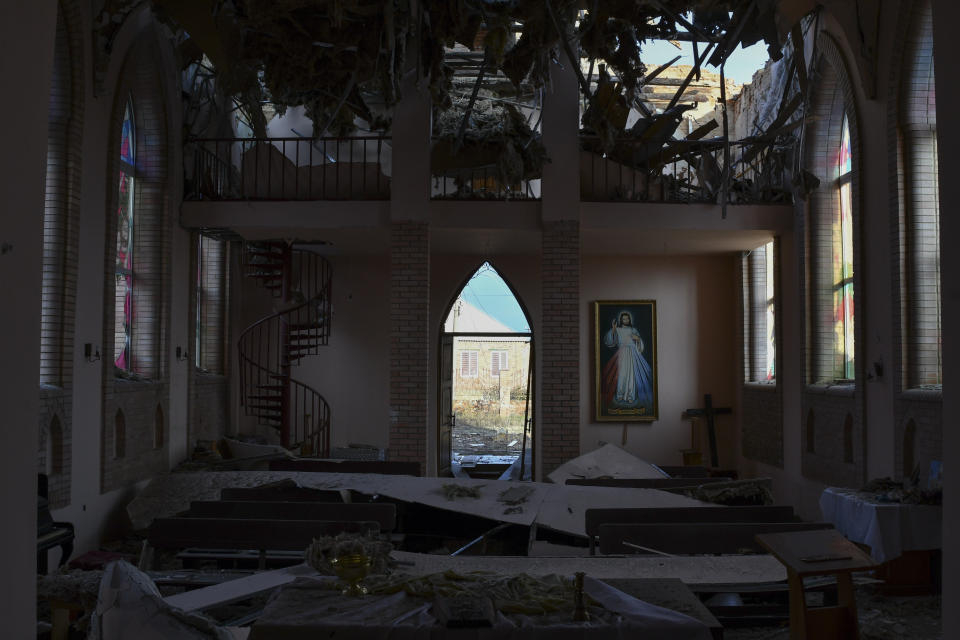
column 911, row 118
column 60, row 223
column 54, row 454
column 838, row 451
column 560, row 378
column 209, row 414
column 141, row 458
column 140, row 401
column 409, row 340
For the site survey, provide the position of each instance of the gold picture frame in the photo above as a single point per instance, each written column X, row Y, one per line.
column 625, row 360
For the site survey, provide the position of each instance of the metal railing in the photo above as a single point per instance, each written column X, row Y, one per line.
column 356, row 168
column 684, row 172
column 269, row 348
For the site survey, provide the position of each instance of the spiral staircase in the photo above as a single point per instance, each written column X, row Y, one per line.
column 269, row 349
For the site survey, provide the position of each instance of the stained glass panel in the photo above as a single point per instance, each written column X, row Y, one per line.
column 124, row 280
column 127, row 137
column 846, row 227
column 845, row 163
column 771, row 349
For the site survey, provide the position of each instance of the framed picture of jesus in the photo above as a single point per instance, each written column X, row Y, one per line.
column 625, row 353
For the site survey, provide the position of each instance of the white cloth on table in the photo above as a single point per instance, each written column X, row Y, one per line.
column 888, row 528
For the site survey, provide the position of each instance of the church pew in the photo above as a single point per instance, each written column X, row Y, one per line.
column 643, row 483
column 696, row 471
column 225, row 539
column 695, row 538
column 384, row 514
column 280, row 494
column 386, row 467
column 593, row 518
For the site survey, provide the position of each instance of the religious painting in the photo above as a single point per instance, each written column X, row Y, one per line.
column 625, row 356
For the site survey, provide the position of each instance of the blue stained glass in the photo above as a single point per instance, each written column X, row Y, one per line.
column 127, row 150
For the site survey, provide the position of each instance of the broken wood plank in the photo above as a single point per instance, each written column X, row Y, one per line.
column 239, row 589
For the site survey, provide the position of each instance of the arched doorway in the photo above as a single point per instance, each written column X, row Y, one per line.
column 485, row 417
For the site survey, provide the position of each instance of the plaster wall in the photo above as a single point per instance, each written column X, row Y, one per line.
column 352, row 372
column 697, row 305
column 97, row 515
column 946, row 15
column 29, row 29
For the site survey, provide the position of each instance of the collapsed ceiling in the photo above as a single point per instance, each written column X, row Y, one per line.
column 344, row 59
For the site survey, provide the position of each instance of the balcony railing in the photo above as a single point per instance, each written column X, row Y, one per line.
column 684, row 172
column 355, row 168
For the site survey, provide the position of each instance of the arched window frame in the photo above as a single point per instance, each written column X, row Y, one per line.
column 830, row 275
column 138, row 324
column 921, row 318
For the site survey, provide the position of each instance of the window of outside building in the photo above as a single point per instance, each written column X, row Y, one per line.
column 468, row 364
column 498, row 362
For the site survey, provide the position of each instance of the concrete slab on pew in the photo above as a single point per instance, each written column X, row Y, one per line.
column 553, row 506
column 608, row 461
column 694, row 538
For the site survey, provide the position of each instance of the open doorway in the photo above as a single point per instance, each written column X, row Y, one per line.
column 486, row 382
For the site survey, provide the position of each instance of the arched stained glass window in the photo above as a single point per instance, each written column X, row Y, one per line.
column 843, row 310
column 125, row 277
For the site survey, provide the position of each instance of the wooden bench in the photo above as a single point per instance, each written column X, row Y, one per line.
column 222, row 538
column 819, row 553
column 643, row 483
column 393, row 468
column 593, row 518
column 384, row 514
column 694, row 538
column 280, row 494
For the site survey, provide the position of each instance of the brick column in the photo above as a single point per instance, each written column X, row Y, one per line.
column 409, row 340
column 560, row 379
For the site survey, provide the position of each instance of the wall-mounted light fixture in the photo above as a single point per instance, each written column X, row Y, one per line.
column 182, row 354
column 91, row 354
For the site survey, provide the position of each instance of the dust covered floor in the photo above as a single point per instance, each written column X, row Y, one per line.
column 881, row 618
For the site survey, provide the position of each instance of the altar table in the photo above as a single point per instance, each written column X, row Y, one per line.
column 888, row 528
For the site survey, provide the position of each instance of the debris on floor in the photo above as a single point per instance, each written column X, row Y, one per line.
column 755, row 491
column 130, row 606
column 454, row 491
column 609, row 461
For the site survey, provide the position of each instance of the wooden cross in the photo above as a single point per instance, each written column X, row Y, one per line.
column 709, row 411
